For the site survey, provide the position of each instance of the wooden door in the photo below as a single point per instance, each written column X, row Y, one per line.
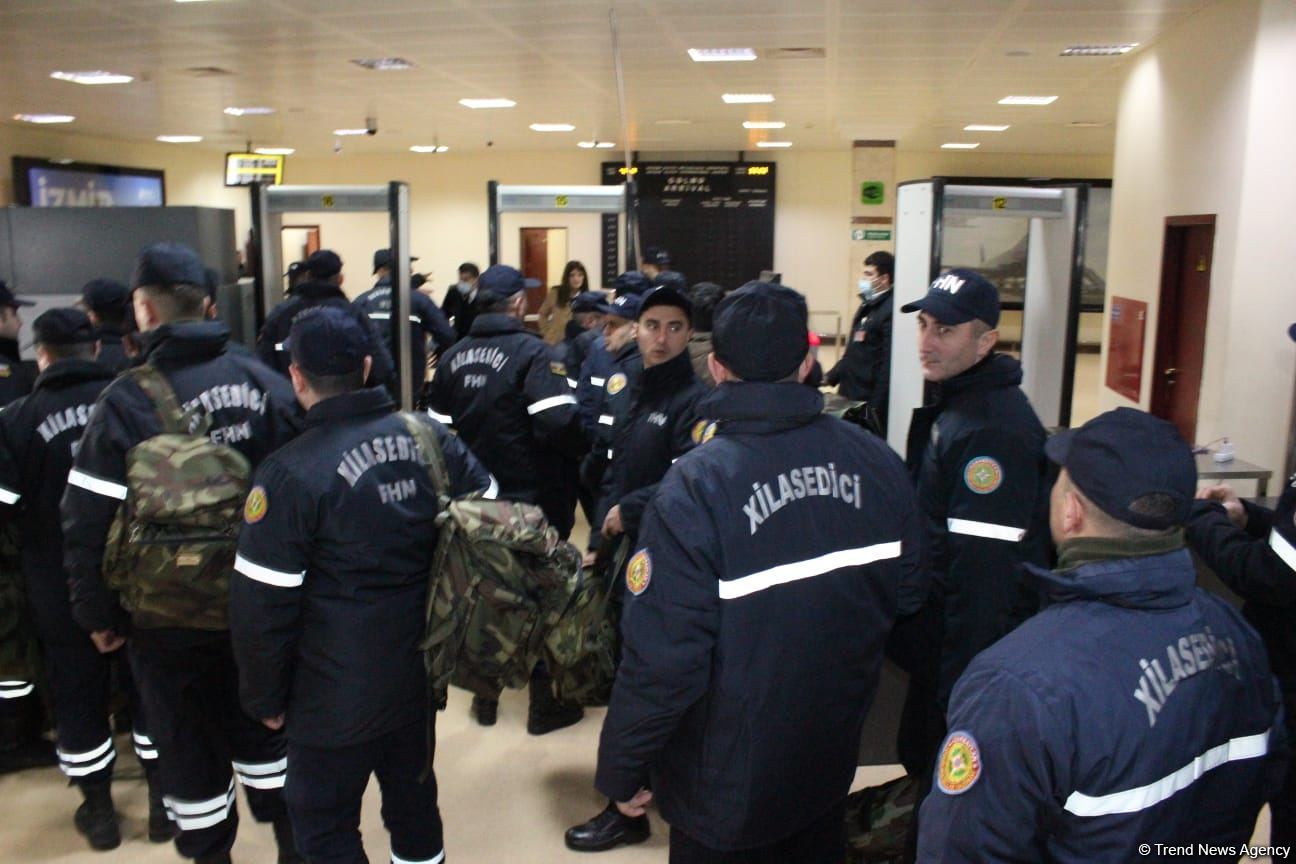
column 535, row 265
column 1181, row 321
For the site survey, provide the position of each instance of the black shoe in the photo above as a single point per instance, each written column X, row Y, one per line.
column 607, row 830
column 284, row 840
column 96, row 818
column 218, row 858
column 485, row 710
column 545, row 713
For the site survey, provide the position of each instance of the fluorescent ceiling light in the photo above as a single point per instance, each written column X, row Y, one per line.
column 592, row 145
column 721, row 55
column 981, row 127
column 429, row 148
column 274, row 151
column 385, row 64
column 44, row 118
column 552, row 127
column 959, row 145
column 1099, row 50
column 773, row 144
column 1028, row 100
column 673, row 122
column 350, row 131
column 764, row 124
column 747, row 98
column 250, row 111
column 179, row 139
column 487, row 103
column 97, row 76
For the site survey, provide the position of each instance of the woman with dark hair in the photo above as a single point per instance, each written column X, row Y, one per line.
column 555, row 311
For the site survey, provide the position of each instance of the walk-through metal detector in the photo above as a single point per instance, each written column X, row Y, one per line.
column 269, row 203
column 611, row 200
column 1051, row 305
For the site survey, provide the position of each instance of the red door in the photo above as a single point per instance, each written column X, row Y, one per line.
column 1181, row 320
column 535, row 265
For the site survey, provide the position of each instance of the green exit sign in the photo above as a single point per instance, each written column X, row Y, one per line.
column 872, row 192
column 877, row 235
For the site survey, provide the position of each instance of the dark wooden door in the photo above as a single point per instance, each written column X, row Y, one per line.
column 1181, row 320
column 535, row 265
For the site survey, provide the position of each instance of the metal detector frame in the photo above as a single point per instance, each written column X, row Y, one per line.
column 501, row 199
column 269, row 203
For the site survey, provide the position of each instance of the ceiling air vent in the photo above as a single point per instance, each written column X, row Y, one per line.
column 794, row 54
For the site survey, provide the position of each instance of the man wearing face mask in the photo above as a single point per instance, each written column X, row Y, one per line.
column 460, row 301
column 864, row 371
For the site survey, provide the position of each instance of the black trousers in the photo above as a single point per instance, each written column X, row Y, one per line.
column 325, row 786
column 190, row 694
column 821, row 842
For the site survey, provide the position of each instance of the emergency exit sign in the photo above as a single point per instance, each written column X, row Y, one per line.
column 870, row 234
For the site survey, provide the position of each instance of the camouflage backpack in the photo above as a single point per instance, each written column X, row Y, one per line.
column 581, row 651
column 171, row 546
column 19, row 651
column 862, row 414
column 500, row 581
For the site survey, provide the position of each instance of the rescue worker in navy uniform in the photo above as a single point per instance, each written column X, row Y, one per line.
column 505, row 391
column 186, row 677
column 428, row 320
column 1135, row 708
column 38, row 434
column 1253, row 550
column 597, row 368
column 583, row 328
column 107, row 302
column 863, row 373
column 329, row 523
column 771, row 564
column 16, row 376
column 661, row 425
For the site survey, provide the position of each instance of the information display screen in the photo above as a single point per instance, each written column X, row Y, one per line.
column 244, row 169
column 46, row 183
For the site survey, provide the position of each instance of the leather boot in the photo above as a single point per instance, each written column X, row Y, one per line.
column 546, row 713
column 96, row 818
column 283, row 834
column 485, row 710
column 607, row 830
column 160, row 827
column 218, row 858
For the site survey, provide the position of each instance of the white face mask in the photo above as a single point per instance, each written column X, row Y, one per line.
column 865, row 289
column 463, row 287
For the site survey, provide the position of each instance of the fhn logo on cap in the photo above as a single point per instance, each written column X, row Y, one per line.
column 949, row 282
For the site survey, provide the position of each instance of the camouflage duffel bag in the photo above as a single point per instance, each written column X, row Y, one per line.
column 878, row 820
column 581, row 651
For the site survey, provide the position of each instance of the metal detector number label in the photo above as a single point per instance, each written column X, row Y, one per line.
column 560, row 201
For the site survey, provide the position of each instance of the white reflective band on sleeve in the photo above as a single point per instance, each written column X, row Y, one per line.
column 8, row 496
column 606, row 419
column 280, row 346
column 989, row 530
column 262, row 775
column 797, row 570
column 196, row 815
column 551, row 402
column 1285, row 550
column 97, row 485
column 84, row 764
column 597, row 382
column 609, row 454
column 277, row 578
column 441, row 418
column 435, row 859
column 16, row 689
column 1135, row 800
column 386, row 316
column 571, row 383
column 492, row 491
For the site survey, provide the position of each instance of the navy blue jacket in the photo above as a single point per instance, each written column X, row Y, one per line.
column 252, row 409
column 612, row 403
column 977, row 455
column 1134, row 709
column 328, row 599
column 16, row 374
column 427, row 320
column 590, row 384
column 864, row 371
column 112, row 351
column 577, row 345
column 771, row 565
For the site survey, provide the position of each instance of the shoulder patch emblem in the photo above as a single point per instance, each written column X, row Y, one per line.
column 699, row 431
column 709, row 432
column 5, row 371
column 616, row 383
column 558, row 368
column 256, row 506
column 639, row 572
column 983, row 475
column 960, row 764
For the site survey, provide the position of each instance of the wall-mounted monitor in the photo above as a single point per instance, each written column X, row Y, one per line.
column 244, row 169
column 65, row 183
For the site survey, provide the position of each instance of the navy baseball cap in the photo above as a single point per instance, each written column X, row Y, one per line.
column 168, row 264
column 760, row 331
column 383, row 258
column 104, row 295
column 502, row 281
column 657, row 255
column 958, row 297
column 328, row 340
column 670, row 277
column 667, row 295
column 588, row 301
column 63, row 326
column 1123, row 455
column 632, row 282
column 324, row 264
column 624, row 306
column 295, row 268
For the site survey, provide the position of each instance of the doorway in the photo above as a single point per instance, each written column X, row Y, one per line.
column 1186, row 260
column 298, row 242
column 544, row 254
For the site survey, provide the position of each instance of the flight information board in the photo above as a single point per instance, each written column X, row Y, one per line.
column 715, row 218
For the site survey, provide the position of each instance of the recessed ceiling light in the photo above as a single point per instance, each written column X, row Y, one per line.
column 1099, row 50
column 92, row 77
column 274, row 151
column 770, row 145
column 249, row 111
column 981, row 127
column 350, row 131
column 747, row 98
column 552, row 127
column 721, row 55
column 487, row 103
column 429, row 148
column 44, row 118
column 764, row 124
column 1028, row 100
column 179, row 139
column 599, row 145
column 385, row 64
column 960, row 145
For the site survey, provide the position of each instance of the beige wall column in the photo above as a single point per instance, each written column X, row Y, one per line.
column 873, row 202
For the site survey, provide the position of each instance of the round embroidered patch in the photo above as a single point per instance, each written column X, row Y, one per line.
column 960, row 764
column 983, row 475
column 616, row 383
column 256, row 506
column 699, row 430
column 639, row 572
column 709, row 432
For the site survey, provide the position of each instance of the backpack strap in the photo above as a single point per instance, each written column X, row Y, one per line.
column 157, row 388
column 429, row 444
